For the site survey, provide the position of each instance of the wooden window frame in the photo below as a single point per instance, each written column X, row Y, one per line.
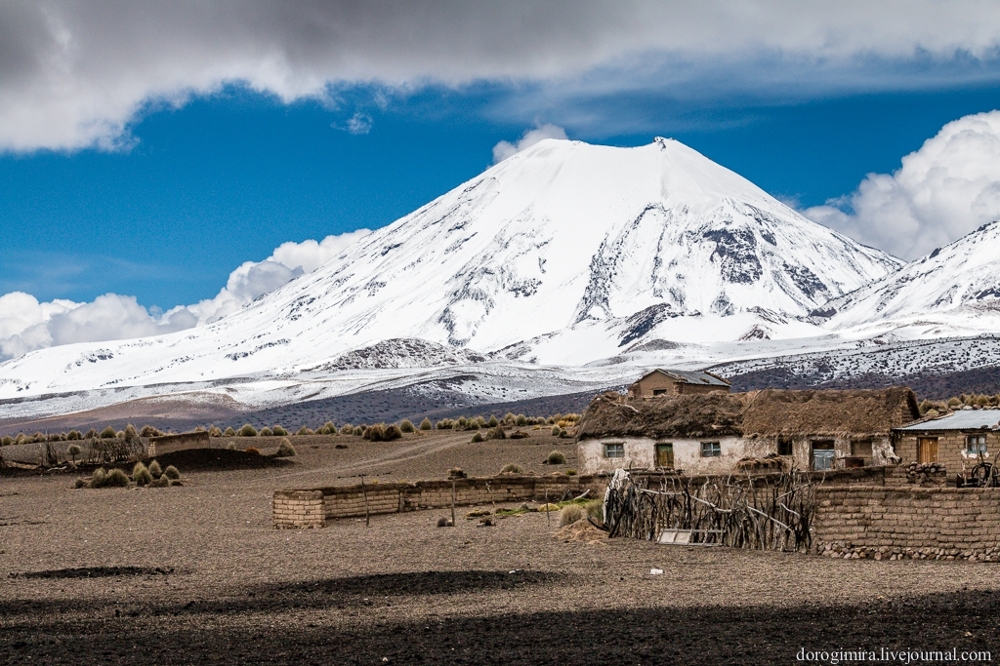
column 617, row 446
column 713, row 450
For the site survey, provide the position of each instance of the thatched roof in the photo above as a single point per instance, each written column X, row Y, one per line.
column 713, row 414
column 769, row 413
column 860, row 412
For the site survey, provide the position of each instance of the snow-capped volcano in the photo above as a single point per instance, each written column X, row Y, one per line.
column 954, row 287
column 560, row 254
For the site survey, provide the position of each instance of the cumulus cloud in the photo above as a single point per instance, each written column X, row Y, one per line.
column 944, row 190
column 75, row 74
column 26, row 324
column 505, row 149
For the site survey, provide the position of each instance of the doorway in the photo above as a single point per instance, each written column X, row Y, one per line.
column 665, row 455
column 927, row 449
column 822, row 454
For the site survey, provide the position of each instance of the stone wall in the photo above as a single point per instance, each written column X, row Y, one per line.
column 298, row 508
column 907, row 522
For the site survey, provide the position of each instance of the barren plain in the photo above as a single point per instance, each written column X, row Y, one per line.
column 197, row 574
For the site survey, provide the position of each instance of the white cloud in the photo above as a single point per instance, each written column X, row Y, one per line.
column 944, row 190
column 359, row 123
column 505, row 149
column 75, row 74
column 26, row 324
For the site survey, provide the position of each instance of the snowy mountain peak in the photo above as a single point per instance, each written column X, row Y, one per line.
column 559, row 254
column 962, row 278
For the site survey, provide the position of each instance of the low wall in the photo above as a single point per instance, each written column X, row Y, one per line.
column 165, row 444
column 298, row 508
column 899, row 522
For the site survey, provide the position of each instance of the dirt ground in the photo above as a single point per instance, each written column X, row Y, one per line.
column 196, row 574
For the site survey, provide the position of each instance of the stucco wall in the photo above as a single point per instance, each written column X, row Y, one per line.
column 640, row 454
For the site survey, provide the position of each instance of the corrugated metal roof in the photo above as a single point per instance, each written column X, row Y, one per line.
column 691, row 377
column 964, row 419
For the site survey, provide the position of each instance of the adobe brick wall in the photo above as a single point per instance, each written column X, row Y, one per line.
column 907, row 522
column 311, row 508
column 298, row 508
column 165, row 444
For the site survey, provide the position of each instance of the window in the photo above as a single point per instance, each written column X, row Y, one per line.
column 784, row 446
column 659, row 391
column 614, row 450
column 975, row 444
column 711, row 449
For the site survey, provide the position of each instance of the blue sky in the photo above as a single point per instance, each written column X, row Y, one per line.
column 229, row 177
column 150, row 150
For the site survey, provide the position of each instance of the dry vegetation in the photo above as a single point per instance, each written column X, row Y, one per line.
column 197, row 574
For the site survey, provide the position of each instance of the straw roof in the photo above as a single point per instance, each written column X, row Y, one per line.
column 768, row 413
column 713, row 414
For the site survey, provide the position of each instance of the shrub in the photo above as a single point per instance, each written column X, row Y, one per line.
column 279, row 431
column 426, row 424
column 556, row 458
column 199, row 429
column 359, row 431
column 91, row 434
column 954, row 402
column 444, row 424
column 171, row 473
column 248, row 431
column 108, row 433
column 595, row 509
column 347, row 429
column 521, row 420
column 331, row 429
column 407, row 426
column 478, row 437
column 7, row 440
column 392, row 432
column 115, row 479
column 462, row 421
column 497, row 433
column 474, row 425
column 74, row 435
column 231, row 446
column 149, row 431
column 154, row 469
column 214, row 431
column 265, row 432
column 162, row 482
column 303, row 431
column 79, row 483
column 285, row 449
column 73, row 450
column 252, row 450
column 570, row 514
column 493, row 422
column 375, row 433
column 120, row 434
column 97, row 478
column 229, row 432
column 512, row 468
column 556, row 430
column 509, row 417
column 571, row 472
column 141, row 475
column 480, row 421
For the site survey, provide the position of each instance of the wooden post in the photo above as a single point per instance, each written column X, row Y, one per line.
column 548, row 518
column 364, row 493
column 453, row 502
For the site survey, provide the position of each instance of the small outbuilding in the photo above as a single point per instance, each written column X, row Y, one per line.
column 960, row 439
column 677, row 382
column 718, row 433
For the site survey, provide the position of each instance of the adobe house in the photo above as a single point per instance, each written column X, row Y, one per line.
column 958, row 439
column 677, row 382
column 717, row 432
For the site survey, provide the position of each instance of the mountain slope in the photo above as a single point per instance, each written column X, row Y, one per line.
column 954, row 286
column 565, row 251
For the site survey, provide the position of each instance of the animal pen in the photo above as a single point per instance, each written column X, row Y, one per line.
column 766, row 512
